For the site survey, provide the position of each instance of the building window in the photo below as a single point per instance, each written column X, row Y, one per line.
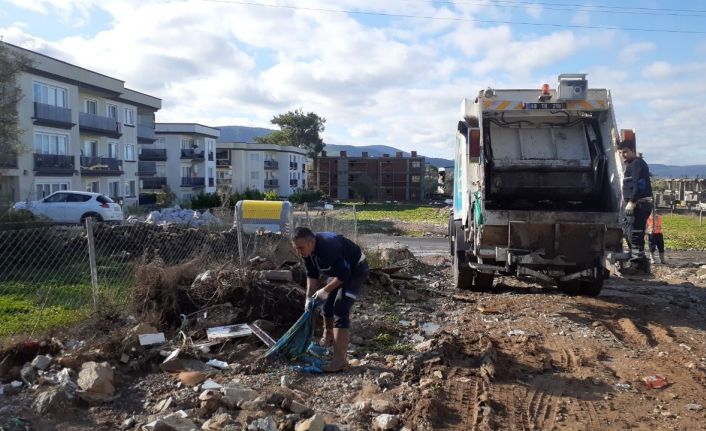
column 187, row 144
column 186, row 196
column 130, row 188
column 50, row 95
column 186, row 171
column 92, row 187
column 113, row 151
column 130, row 152
column 45, row 189
column 114, row 189
column 129, row 116
column 49, row 143
column 209, row 142
column 255, row 175
column 210, row 173
column 416, row 178
column 416, row 164
column 91, row 106
column 90, row 148
column 111, row 111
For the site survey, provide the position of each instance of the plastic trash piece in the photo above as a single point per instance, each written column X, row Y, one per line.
column 231, row 331
column 655, row 381
column 217, row 364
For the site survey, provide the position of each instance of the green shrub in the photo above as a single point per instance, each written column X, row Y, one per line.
column 272, row 195
column 205, row 201
column 301, row 196
column 248, row 194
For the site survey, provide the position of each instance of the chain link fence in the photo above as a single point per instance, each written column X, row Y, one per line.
column 53, row 276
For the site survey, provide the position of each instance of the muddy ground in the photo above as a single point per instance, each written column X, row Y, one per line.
column 523, row 357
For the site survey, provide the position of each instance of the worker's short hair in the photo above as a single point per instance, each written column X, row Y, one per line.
column 303, row 233
column 628, row 143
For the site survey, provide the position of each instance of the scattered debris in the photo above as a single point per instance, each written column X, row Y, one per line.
column 655, row 381
column 314, row 423
column 96, row 379
column 694, row 407
column 278, row 275
column 218, row 364
column 231, row 331
column 385, row 422
column 150, row 339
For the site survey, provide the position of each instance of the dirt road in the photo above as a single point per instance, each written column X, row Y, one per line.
column 427, row 357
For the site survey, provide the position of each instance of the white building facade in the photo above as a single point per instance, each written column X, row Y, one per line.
column 184, row 157
column 262, row 167
column 80, row 132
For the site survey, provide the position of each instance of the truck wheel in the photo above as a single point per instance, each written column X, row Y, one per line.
column 570, row 287
column 592, row 287
column 484, row 281
column 463, row 274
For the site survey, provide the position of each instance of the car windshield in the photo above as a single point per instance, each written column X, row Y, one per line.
column 104, row 199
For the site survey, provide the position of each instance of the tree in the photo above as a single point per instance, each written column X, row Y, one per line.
column 364, row 187
column 297, row 130
column 11, row 65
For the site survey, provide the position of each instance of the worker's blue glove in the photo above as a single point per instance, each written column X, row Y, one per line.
column 311, row 303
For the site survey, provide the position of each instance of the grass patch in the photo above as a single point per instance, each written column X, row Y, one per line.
column 385, row 343
column 682, row 232
column 400, row 212
column 20, row 315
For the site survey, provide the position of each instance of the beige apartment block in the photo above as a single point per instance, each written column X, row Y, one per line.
column 81, row 131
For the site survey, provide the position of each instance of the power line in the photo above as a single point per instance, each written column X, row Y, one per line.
column 575, row 7
column 457, row 19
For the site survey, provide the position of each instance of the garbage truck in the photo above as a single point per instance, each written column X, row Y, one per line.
column 537, row 187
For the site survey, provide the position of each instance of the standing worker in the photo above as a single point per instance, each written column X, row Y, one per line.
column 637, row 194
column 343, row 262
column 655, row 236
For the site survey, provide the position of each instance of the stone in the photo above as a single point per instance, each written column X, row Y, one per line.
column 394, row 252
column 314, row 423
column 210, row 384
column 263, row 424
column 385, row 380
column 128, row 423
column 163, row 405
column 96, row 377
column 254, row 405
column 234, row 393
column 217, row 423
column 424, row 346
column 28, row 374
column 356, row 339
column 381, row 405
column 191, row 378
column 41, row 362
column 174, row 422
column 694, row 407
column 385, row 422
column 298, row 408
column 363, row 406
column 285, row 381
column 51, row 401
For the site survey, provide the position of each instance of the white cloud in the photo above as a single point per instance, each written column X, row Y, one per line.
column 658, row 70
column 633, row 52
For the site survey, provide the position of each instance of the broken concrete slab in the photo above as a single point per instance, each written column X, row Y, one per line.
column 41, row 362
column 263, row 424
column 51, row 401
column 314, row 423
column 234, row 393
column 96, row 377
column 151, row 339
column 385, row 422
column 230, row 331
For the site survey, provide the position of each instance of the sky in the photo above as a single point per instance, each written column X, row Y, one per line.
column 389, row 72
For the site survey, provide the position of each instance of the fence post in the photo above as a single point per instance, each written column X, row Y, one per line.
column 355, row 223
column 239, row 230
column 306, row 212
column 701, row 217
column 92, row 260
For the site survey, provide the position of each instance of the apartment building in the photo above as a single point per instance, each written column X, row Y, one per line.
column 182, row 157
column 396, row 178
column 81, row 132
column 263, row 167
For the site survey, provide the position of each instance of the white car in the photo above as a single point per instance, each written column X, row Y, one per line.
column 74, row 207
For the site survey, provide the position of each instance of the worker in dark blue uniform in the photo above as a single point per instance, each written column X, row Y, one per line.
column 637, row 194
column 343, row 263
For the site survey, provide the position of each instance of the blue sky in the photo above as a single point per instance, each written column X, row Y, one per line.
column 381, row 79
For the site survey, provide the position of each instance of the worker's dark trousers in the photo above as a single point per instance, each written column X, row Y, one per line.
column 637, row 231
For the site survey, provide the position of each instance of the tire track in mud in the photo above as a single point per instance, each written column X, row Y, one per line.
column 460, row 395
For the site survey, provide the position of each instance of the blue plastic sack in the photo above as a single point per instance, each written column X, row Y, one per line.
column 295, row 342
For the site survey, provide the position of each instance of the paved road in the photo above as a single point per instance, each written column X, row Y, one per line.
column 420, row 246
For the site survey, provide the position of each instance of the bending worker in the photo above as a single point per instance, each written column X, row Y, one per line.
column 343, row 262
column 655, row 236
column 637, row 193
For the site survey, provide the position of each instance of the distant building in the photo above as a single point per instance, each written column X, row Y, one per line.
column 183, row 158
column 396, row 178
column 261, row 167
column 682, row 191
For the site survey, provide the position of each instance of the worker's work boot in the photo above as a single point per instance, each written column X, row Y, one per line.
column 341, row 337
column 327, row 338
column 651, row 257
column 662, row 260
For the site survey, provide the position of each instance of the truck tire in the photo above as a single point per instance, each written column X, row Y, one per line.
column 483, row 282
column 593, row 286
column 462, row 273
column 570, row 287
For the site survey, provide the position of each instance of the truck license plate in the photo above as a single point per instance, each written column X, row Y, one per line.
column 545, row 105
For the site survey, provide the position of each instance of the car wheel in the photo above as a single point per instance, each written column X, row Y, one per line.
column 94, row 216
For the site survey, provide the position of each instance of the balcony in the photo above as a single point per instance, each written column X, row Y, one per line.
column 146, row 133
column 101, row 166
column 293, row 166
column 8, row 161
column 52, row 116
column 190, row 153
column 154, row 183
column 224, row 181
column 153, row 155
column 54, row 164
column 222, row 163
column 193, row 182
column 271, row 184
column 98, row 124
column 271, row 164
column 146, row 169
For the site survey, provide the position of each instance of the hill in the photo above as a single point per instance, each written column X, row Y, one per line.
column 671, row 171
column 242, row 133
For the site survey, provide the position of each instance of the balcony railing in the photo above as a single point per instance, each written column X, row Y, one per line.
column 53, row 164
column 189, row 153
column 101, row 166
column 222, row 163
column 192, row 181
column 154, row 183
column 54, row 116
column 293, row 166
column 153, row 155
column 271, row 184
column 103, row 125
column 146, row 133
column 146, row 169
column 8, row 161
column 271, row 164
